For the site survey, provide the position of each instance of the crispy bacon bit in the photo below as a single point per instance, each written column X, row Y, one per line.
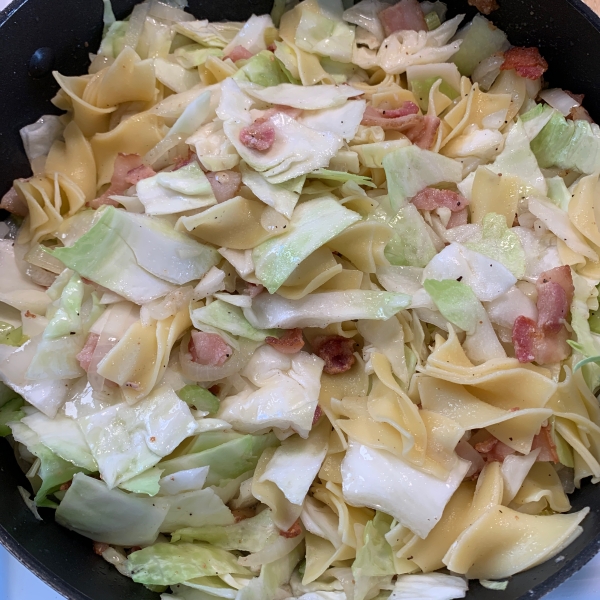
column 544, row 441
column 546, row 341
column 484, row 6
column 215, row 389
column 423, row 132
column 30, row 315
column 258, row 136
column 289, row 343
column 552, row 307
column 136, row 175
column 398, row 119
column 527, row 62
column 253, row 289
column 100, row 548
column 87, row 352
column 208, row 349
column 240, row 514
column 562, row 276
column 11, row 201
column 317, row 415
column 458, row 218
column 432, row 198
column 65, row 486
column 407, row 14
column 294, row 531
column 524, row 339
column 239, row 53
column 124, row 163
column 225, row 184
column 336, row 351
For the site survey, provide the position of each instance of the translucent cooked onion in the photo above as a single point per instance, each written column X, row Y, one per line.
column 38, row 257
column 487, row 70
column 197, row 372
column 560, row 100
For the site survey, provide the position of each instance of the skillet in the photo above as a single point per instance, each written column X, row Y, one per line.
column 567, row 33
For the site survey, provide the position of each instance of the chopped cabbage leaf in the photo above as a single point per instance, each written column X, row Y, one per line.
column 500, row 243
column 227, row 317
column 135, row 255
column 252, row 36
column 200, row 398
column 305, row 98
column 568, row 145
column 167, row 564
column 146, row 482
column 249, row 535
column 211, row 35
column 321, row 34
column 375, row 557
column 313, row 224
column 111, row 516
column 283, row 197
column 456, row 301
column 262, row 69
column 282, row 394
column 126, row 440
column 430, row 586
column 187, row 188
column 228, row 459
column 410, row 169
column 320, row 310
column 10, row 411
column 486, row 277
column 415, row 499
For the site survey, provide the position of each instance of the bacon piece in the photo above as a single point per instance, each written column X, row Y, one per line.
column 398, row 119
column 124, row 163
column 208, row 349
column 336, row 351
column 225, row 184
column 100, row 548
column 294, row 531
column 524, row 335
column 425, row 133
column 253, row 289
column 552, row 307
column 239, row 53
column 544, row 441
column 432, row 198
column 240, row 514
column 484, row 6
column 65, row 486
column 11, row 201
column 407, row 14
column 318, row 414
column 552, row 347
column 458, row 218
column 493, row 450
column 258, row 136
column 527, row 62
column 136, row 175
column 87, row 352
column 289, row 343
column 578, row 113
column 562, row 276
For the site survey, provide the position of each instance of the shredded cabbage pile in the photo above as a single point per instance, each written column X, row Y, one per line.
column 305, row 306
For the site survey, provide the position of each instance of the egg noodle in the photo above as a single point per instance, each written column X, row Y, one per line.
column 303, row 306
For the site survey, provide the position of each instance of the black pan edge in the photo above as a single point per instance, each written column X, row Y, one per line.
column 23, row 536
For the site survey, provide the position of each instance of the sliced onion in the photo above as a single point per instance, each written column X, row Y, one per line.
column 136, row 25
column 487, row 70
column 38, row 257
column 197, row 372
column 560, row 100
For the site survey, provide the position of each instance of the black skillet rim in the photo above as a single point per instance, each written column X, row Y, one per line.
column 64, row 588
